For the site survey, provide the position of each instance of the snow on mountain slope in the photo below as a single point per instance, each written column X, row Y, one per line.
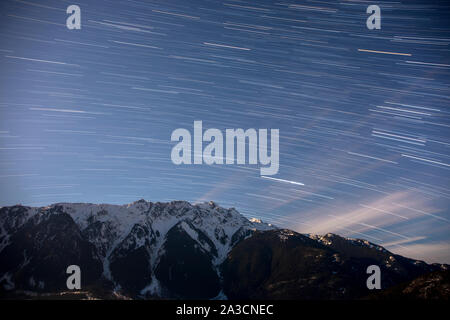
column 330, row 238
column 217, row 223
column 117, row 230
column 17, row 216
column 181, row 250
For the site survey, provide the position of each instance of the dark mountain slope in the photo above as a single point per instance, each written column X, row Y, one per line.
column 281, row 264
column 178, row 250
column 430, row 286
column 41, row 250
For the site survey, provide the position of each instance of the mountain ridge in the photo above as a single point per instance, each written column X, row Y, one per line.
column 182, row 250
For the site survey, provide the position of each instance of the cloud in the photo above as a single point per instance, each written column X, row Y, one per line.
column 397, row 221
column 435, row 252
column 366, row 215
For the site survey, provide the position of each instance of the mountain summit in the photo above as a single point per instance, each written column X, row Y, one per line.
column 183, row 250
column 142, row 248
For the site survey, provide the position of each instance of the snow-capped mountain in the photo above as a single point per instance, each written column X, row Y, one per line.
column 183, row 250
column 137, row 237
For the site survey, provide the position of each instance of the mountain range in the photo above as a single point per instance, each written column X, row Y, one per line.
column 179, row 250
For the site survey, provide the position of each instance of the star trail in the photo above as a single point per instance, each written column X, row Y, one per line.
column 363, row 115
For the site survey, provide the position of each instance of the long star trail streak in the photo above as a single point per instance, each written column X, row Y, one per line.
column 86, row 115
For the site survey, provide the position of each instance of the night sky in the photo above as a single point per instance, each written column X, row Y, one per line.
column 86, row 115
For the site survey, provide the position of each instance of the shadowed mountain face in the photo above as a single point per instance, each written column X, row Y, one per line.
column 430, row 286
column 37, row 255
column 281, row 264
column 186, row 269
column 179, row 250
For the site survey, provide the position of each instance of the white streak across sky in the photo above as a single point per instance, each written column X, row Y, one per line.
column 363, row 115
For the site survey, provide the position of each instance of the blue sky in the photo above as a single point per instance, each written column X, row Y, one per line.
column 86, row 115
